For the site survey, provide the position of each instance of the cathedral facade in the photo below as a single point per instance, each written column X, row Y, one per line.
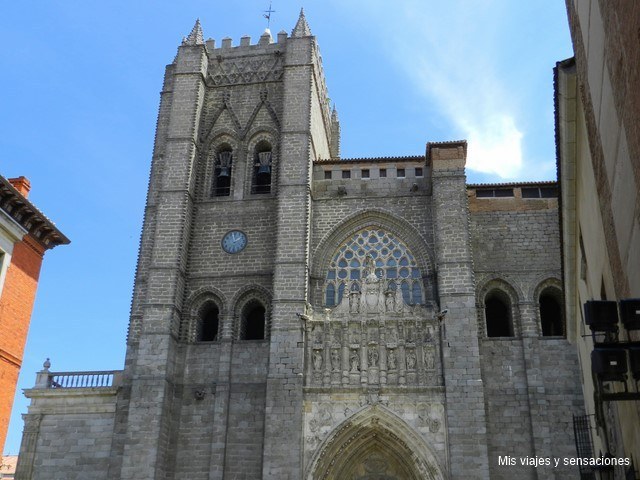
column 301, row 316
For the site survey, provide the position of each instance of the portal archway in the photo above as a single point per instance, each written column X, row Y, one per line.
column 374, row 444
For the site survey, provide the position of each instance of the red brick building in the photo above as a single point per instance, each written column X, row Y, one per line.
column 25, row 235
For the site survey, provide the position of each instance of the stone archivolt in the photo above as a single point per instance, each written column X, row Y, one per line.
column 374, row 444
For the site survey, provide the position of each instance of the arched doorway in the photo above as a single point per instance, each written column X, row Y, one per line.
column 374, row 444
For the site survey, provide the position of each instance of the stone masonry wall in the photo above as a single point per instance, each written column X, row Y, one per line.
column 85, row 451
column 68, row 434
column 530, row 380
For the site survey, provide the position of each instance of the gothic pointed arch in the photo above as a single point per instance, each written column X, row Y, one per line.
column 392, row 227
column 375, row 444
column 265, row 105
column 217, row 119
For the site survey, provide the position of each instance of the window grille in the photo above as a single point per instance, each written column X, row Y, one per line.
column 582, row 432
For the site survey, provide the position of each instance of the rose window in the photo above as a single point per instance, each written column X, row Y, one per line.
column 373, row 248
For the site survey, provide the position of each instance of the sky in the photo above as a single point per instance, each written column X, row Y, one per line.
column 79, row 99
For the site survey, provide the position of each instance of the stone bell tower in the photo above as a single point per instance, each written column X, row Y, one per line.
column 225, row 247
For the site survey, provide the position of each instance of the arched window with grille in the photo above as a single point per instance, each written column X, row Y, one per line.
column 392, row 261
column 262, row 168
column 223, row 164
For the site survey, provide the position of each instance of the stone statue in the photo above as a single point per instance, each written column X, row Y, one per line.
column 354, row 301
column 317, row 360
column 335, row 360
column 411, row 360
column 392, row 360
column 429, row 358
column 392, row 335
column 354, row 360
column 389, row 301
column 373, row 357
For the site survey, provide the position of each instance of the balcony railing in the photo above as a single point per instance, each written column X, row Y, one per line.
column 59, row 380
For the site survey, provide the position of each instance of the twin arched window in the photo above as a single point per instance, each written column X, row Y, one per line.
column 261, row 169
column 252, row 321
column 499, row 319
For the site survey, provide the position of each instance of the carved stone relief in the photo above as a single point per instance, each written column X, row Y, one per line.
column 234, row 71
column 383, row 349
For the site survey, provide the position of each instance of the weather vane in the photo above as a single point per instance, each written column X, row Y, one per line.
column 267, row 15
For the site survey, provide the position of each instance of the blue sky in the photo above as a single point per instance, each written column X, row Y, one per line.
column 80, row 90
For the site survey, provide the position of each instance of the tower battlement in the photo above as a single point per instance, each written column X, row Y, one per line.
column 245, row 41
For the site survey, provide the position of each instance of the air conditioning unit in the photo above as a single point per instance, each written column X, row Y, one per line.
column 609, row 364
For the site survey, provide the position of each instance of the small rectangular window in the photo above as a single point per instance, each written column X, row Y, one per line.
column 419, row 172
column 497, row 192
column 346, row 174
column 365, row 173
column 484, row 193
column 504, row 192
column 531, row 192
column 400, row 173
column 383, row 172
column 548, row 192
column 327, row 174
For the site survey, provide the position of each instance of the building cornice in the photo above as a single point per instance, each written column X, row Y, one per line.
column 25, row 214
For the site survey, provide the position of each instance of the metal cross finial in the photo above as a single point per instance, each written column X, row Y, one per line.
column 267, row 14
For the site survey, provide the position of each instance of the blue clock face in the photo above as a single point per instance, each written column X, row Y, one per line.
column 234, row 241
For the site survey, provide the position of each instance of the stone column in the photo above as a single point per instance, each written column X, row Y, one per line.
column 221, row 401
column 463, row 383
column 282, row 457
column 153, row 370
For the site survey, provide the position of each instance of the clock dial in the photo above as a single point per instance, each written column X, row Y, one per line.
column 234, row 241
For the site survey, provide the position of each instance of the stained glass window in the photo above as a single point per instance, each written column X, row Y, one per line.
column 392, row 260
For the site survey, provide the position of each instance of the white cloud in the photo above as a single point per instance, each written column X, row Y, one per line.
column 447, row 50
